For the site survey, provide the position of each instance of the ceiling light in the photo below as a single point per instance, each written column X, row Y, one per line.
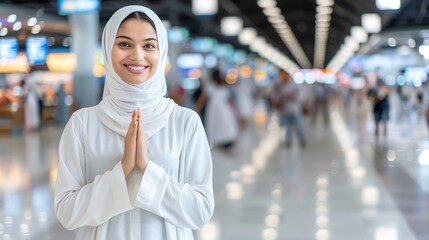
column 51, row 41
column 280, row 26
column 231, row 26
column 36, row 29
column 32, row 21
column 324, row 9
column 325, row 2
column 371, row 22
column 351, row 43
column 323, row 25
column 67, row 41
column 272, row 11
column 267, row 3
column 207, row 7
column 359, row 34
column 3, row 32
column 247, row 35
column 391, row 42
column 276, row 19
column 11, row 18
column 388, row 4
column 259, row 43
column 323, row 18
column 17, row 26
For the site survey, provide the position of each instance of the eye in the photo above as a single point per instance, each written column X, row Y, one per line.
column 150, row 46
column 123, row 44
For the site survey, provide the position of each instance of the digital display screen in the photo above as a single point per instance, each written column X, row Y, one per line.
column 8, row 48
column 66, row 7
column 204, row 44
column 36, row 49
column 190, row 60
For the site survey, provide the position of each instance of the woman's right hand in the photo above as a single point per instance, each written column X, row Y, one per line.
column 130, row 142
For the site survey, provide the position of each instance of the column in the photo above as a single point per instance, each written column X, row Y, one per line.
column 85, row 35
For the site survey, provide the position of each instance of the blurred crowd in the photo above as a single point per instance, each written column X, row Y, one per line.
column 227, row 108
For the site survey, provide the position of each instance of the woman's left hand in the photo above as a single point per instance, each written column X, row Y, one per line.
column 141, row 153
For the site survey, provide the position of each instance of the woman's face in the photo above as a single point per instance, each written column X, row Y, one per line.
column 135, row 53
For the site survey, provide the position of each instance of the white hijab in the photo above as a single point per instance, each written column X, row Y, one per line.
column 121, row 98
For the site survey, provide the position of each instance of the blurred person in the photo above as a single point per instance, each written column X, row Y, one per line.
column 360, row 104
column 32, row 111
column 379, row 95
column 62, row 110
column 245, row 102
column 221, row 122
column 425, row 100
column 177, row 93
column 408, row 99
column 287, row 99
column 199, row 97
column 360, row 90
column 320, row 102
column 137, row 165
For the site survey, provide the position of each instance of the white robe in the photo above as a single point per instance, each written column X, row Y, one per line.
column 174, row 196
column 245, row 102
column 32, row 118
column 221, row 121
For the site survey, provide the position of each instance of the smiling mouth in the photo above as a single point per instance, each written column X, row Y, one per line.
column 136, row 69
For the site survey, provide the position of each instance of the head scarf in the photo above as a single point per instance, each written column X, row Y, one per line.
column 121, row 98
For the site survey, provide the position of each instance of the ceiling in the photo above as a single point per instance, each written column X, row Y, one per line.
column 299, row 14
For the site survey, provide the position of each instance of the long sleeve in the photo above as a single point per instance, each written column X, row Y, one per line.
column 78, row 203
column 188, row 202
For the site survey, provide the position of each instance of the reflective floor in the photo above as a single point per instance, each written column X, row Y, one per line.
column 344, row 185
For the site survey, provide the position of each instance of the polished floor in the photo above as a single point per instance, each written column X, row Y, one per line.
column 344, row 185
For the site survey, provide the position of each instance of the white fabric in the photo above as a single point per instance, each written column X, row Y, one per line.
column 121, row 98
column 245, row 100
column 32, row 116
column 174, row 195
column 32, row 119
column 288, row 96
column 221, row 121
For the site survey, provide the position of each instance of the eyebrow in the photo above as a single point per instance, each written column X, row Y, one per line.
column 147, row 39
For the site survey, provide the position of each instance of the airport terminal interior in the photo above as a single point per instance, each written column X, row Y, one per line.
column 325, row 104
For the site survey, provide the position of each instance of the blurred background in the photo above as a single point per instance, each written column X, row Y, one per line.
column 317, row 111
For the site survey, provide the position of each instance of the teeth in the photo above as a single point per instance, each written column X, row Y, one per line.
column 135, row 68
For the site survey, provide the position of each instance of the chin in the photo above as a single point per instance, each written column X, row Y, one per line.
column 135, row 80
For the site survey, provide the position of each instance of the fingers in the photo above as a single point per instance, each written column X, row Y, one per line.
column 141, row 153
column 129, row 157
column 131, row 136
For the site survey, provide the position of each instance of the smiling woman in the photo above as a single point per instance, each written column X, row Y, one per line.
column 136, row 166
column 135, row 54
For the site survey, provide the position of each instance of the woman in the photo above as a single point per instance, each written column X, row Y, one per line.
column 221, row 121
column 136, row 166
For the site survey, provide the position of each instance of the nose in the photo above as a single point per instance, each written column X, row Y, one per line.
column 137, row 54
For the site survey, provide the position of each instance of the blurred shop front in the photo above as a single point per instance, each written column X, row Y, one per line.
column 36, row 83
